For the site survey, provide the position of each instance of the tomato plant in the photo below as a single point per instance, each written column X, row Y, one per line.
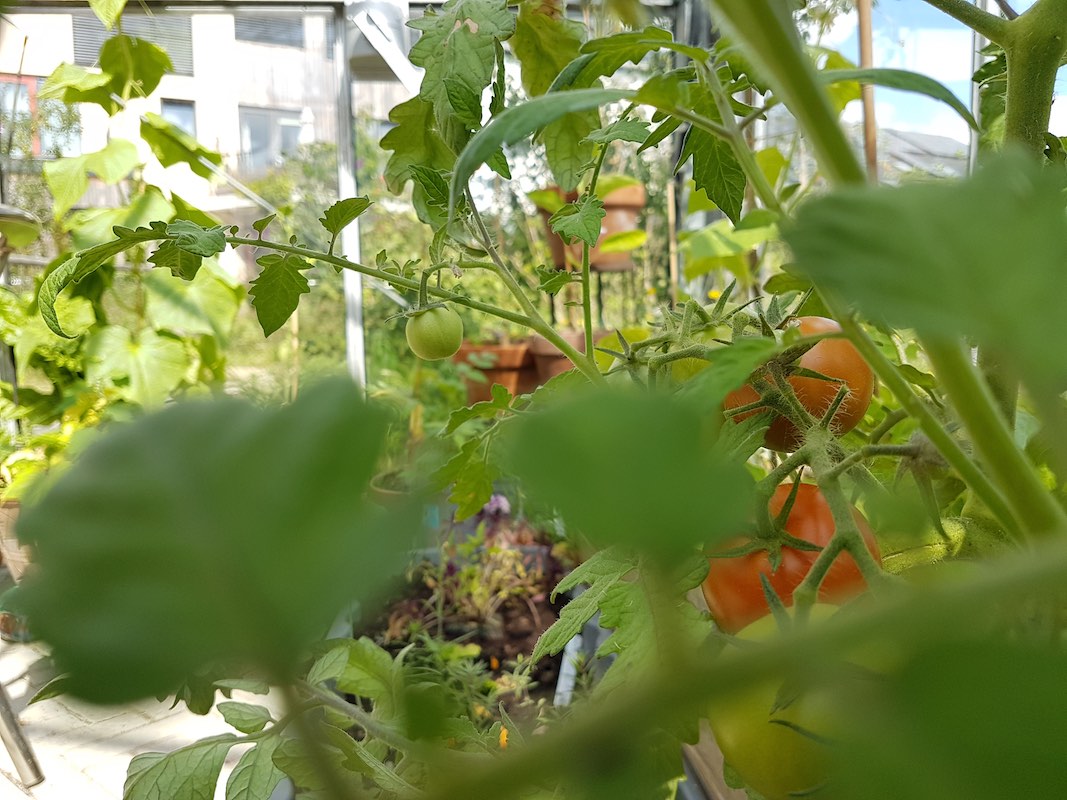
column 837, row 359
column 924, row 258
column 733, row 589
column 434, row 333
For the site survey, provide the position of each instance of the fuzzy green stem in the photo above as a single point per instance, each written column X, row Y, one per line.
column 767, row 29
column 989, row 25
column 953, row 453
column 533, row 317
column 847, row 536
column 971, row 396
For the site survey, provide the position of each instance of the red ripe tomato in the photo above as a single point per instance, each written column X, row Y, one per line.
column 733, row 590
column 835, row 358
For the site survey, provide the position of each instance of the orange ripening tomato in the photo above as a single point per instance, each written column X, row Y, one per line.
column 834, row 358
column 733, row 589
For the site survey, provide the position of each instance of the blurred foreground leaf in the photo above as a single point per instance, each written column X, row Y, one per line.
column 982, row 257
column 980, row 720
column 211, row 530
column 632, row 469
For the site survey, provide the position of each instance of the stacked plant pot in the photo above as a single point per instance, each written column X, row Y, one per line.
column 511, row 365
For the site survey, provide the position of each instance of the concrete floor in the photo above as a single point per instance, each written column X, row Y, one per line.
column 84, row 750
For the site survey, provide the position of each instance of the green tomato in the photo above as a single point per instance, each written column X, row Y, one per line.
column 434, row 333
column 781, row 752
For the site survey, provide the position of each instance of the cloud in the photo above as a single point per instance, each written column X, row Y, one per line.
column 943, row 54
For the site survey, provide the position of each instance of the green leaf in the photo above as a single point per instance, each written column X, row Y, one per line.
column 73, row 84
column 181, row 263
column 946, row 277
column 598, row 458
column 905, row 81
column 83, row 264
column 414, row 140
column 189, row 773
column 136, row 65
column 261, row 224
column 600, row 571
column 715, row 167
column 667, row 91
column 520, row 121
column 580, row 220
column 68, row 178
column 369, row 672
column 470, row 473
column 623, row 130
column 183, row 210
column 53, row 284
column 566, row 149
column 545, row 41
column 206, row 305
column 276, row 292
column 255, row 776
column 171, row 145
column 245, row 717
column 342, row 214
column 207, row 571
column 357, row 757
column 457, row 49
column 946, row 715
column 330, row 667
column 485, row 409
column 623, row 241
column 431, row 202
column 610, row 53
column 552, row 279
column 145, row 367
column 108, row 11
column 197, row 240
column 705, row 249
column 626, row 608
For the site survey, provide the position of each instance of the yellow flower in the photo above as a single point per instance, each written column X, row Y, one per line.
column 503, row 738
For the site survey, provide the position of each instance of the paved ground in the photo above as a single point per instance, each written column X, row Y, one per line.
column 84, row 750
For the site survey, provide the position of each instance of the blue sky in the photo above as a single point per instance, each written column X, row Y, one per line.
column 909, row 34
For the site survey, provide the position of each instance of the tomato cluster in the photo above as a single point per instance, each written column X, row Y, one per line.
column 835, row 358
column 779, row 748
column 733, row 589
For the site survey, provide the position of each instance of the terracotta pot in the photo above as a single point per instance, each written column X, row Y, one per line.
column 621, row 210
column 550, row 360
column 17, row 556
column 512, row 366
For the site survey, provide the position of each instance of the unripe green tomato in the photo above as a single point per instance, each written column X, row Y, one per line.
column 434, row 333
column 785, row 752
column 685, row 369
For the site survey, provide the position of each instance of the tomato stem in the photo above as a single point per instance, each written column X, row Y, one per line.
column 980, row 415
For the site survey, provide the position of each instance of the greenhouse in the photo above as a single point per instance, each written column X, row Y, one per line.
column 554, row 400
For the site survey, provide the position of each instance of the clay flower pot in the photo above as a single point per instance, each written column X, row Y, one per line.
column 510, row 365
column 550, row 360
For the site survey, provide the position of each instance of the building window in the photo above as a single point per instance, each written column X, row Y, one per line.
column 267, row 136
column 181, row 114
column 172, row 32
column 38, row 128
column 270, row 29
